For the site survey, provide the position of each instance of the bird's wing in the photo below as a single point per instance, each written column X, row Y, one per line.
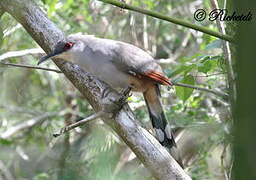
column 158, row 77
column 128, row 58
column 138, row 62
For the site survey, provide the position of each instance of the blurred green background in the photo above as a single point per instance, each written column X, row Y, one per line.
column 34, row 104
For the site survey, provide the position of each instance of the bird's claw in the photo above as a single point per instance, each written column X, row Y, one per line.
column 125, row 94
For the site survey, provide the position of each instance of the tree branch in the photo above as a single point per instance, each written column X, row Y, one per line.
column 176, row 84
column 178, row 53
column 170, row 19
column 8, row 32
column 218, row 93
column 79, row 123
column 25, row 52
column 30, row 67
column 227, row 55
column 154, row 156
column 5, row 171
column 25, row 125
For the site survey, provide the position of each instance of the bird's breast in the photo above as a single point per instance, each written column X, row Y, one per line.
column 112, row 76
column 104, row 70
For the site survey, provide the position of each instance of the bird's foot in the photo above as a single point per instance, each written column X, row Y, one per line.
column 124, row 95
column 112, row 102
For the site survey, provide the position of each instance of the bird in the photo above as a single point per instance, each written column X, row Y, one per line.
column 120, row 65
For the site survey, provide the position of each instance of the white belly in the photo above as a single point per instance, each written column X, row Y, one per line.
column 108, row 73
column 112, row 76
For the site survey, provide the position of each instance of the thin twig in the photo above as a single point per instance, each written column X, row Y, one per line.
column 176, row 84
column 178, row 53
column 170, row 19
column 5, row 171
column 8, row 32
column 27, row 124
column 227, row 55
column 30, row 67
column 25, row 52
column 222, row 160
column 113, row 15
column 218, row 93
column 18, row 109
column 79, row 123
column 145, row 33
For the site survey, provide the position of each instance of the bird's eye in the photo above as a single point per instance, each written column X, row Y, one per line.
column 68, row 45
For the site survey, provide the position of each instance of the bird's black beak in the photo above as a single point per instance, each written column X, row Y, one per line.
column 58, row 50
column 48, row 56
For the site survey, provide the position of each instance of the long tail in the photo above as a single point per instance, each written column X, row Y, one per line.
column 156, row 113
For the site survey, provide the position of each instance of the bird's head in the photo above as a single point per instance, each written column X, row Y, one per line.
column 61, row 50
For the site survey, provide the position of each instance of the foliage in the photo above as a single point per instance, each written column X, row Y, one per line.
column 94, row 151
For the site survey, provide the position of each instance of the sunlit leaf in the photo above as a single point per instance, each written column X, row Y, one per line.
column 52, row 6
column 41, row 176
column 182, row 92
column 207, row 64
column 184, row 69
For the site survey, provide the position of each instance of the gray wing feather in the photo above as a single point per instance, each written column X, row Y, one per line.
column 132, row 58
column 126, row 57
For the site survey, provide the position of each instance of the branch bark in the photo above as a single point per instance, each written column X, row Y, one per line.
column 144, row 145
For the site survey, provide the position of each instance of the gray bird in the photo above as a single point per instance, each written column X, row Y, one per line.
column 120, row 65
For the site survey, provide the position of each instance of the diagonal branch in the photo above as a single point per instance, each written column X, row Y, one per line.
column 30, row 67
column 25, row 52
column 5, row 171
column 143, row 144
column 175, row 84
column 25, row 125
column 218, row 93
column 79, row 123
column 169, row 19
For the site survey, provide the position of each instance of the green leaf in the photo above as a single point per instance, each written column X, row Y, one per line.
column 182, row 69
column 52, row 5
column 182, row 92
column 5, row 141
column 41, row 176
column 150, row 4
column 68, row 4
column 207, row 64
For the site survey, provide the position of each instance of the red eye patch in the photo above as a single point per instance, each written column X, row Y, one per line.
column 68, row 45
